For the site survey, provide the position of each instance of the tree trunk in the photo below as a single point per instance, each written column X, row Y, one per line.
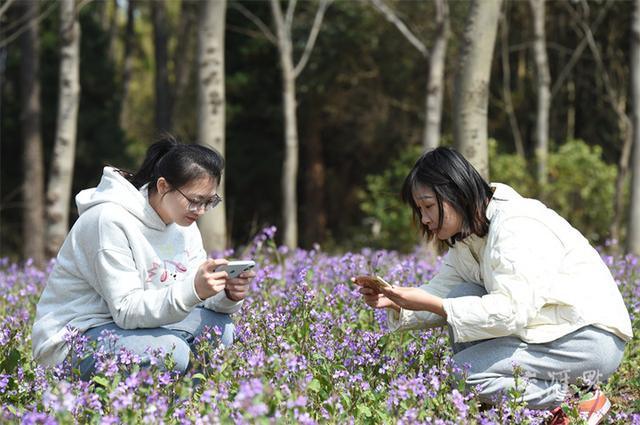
column 163, row 106
column 127, row 61
column 471, row 100
column 315, row 211
column 633, row 239
column 544, row 94
column 290, row 165
column 211, row 104
column 571, row 109
column 435, row 84
column 624, row 127
column 61, row 176
column 182, row 58
column 112, row 28
column 33, row 222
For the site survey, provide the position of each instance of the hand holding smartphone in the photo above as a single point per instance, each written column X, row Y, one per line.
column 374, row 282
column 235, row 268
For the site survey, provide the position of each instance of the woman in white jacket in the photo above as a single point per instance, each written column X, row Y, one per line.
column 134, row 264
column 519, row 285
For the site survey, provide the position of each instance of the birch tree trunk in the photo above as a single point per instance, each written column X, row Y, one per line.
column 211, row 104
column 33, row 221
column 471, row 99
column 633, row 238
column 435, row 83
column 544, row 94
column 290, row 165
column 61, row 174
column 163, row 101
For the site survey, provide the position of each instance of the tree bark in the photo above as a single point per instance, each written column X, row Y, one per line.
column 290, row 165
column 544, row 94
column 471, row 99
column 33, row 222
column 633, row 239
column 61, row 175
column 211, row 108
column 435, row 82
column 162, row 105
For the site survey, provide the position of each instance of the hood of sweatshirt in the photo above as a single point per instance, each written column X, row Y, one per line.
column 114, row 188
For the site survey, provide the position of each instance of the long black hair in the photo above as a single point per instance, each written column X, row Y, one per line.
column 178, row 163
column 453, row 179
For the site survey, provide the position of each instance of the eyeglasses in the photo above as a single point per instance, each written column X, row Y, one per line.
column 195, row 206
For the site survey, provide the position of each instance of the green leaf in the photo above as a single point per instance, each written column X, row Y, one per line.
column 11, row 361
column 364, row 410
column 314, row 385
column 199, row 376
column 101, row 380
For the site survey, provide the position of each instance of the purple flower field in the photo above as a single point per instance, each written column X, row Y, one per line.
column 307, row 350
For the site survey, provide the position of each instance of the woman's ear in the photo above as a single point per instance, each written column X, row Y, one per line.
column 162, row 186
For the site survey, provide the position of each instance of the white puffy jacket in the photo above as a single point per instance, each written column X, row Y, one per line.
column 543, row 279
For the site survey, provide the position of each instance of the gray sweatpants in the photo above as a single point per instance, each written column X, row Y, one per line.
column 177, row 339
column 584, row 357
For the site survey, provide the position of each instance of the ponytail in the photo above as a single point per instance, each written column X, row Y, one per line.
column 177, row 163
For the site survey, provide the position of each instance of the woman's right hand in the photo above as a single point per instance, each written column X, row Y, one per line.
column 208, row 282
column 373, row 298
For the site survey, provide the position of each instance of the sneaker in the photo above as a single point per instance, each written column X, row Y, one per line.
column 558, row 417
column 594, row 408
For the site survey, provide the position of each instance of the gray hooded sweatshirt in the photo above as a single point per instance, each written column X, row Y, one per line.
column 120, row 263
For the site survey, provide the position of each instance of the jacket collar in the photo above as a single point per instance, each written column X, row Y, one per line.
column 501, row 192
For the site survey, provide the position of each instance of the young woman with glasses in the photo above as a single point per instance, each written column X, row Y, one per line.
column 518, row 286
column 134, row 264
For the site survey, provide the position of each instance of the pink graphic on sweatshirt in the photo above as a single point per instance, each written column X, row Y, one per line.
column 166, row 269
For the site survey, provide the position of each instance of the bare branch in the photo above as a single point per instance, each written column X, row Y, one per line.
column 393, row 18
column 245, row 31
column 5, row 6
column 611, row 93
column 578, row 52
column 313, row 35
column 289, row 17
column 256, row 21
column 31, row 22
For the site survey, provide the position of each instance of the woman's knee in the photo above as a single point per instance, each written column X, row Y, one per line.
column 181, row 354
column 227, row 334
column 221, row 324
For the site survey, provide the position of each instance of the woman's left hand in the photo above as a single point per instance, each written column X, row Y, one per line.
column 238, row 288
column 414, row 299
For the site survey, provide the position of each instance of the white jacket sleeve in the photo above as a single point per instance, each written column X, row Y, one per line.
column 219, row 302
column 131, row 306
column 440, row 285
column 524, row 258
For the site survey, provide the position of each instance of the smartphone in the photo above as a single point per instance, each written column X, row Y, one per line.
column 234, row 268
column 373, row 281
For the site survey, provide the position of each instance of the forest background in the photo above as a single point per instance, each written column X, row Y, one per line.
column 362, row 83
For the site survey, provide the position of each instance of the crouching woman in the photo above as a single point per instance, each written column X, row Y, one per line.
column 519, row 285
column 134, row 264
